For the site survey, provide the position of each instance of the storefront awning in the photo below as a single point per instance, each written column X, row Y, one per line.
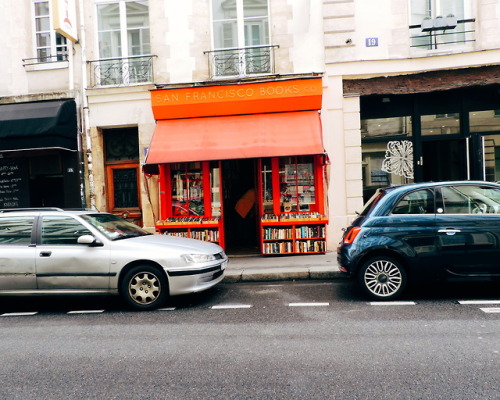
column 43, row 124
column 238, row 136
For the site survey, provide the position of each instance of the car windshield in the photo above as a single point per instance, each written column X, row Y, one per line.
column 114, row 227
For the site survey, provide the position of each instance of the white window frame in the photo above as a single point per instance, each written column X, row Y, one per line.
column 36, row 62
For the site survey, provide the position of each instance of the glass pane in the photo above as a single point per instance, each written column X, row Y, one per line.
column 43, row 39
column 42, row 8
column 418, row 202
column 256, row 22
column 215, row 189
column 386, row 163
column 225, row 35
column 440, row 124
column 297, row 184
column 125, row 188
column 484, row 121
column 121, row 144
column 267, row 186
column 108, row 17
column 16, row 230
column 255, row 8
column 42, row 24
column 491, row 154
column 471, row 200
column 223, row 10
column 62, row 230
column 187, row 189
column 383, row 127
column 137, row 14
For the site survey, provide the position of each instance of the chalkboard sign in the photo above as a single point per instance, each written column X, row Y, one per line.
column 14, row 183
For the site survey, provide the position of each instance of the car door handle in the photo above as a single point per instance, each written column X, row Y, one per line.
column 45, row 253
column 449, row 231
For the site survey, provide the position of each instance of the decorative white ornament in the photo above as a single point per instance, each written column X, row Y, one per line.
column 399, row 158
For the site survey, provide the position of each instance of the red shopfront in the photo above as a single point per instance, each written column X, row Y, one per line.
column 242, row 165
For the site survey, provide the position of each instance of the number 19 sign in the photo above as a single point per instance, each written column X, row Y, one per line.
column 371, row 42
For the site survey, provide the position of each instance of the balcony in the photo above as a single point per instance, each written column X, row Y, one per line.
column 242, row 62
column 111, row 72
column 441, row 34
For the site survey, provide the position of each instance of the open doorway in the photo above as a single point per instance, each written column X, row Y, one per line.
column 240, row 224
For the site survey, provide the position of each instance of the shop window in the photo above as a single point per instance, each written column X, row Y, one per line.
column 297, row 188
column 187, row 189
column 124, row 41
column 387, row 153
column 440, row 124
column 50, row 46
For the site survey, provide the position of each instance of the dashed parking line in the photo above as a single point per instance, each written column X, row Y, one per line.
column 230, row 306
column 393, row 303
column 478, row 302
column 491, row 310
column 308, row 304
column 19, row 314
column 85, row 312
column 166, row 309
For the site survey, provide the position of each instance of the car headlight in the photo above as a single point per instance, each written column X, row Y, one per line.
column 198, row 258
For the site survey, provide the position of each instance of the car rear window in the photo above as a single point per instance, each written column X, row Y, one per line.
column 372, row 202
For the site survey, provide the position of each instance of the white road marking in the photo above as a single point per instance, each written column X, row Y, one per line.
column 308, row 304
column 479, row 301
column 86, row 312
column 230, row 306
column 167, row 309
column 393, row 303
column 491, row 310
column 19, row 314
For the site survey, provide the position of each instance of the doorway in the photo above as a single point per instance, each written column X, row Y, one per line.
column 240, row 225
column 444, row 160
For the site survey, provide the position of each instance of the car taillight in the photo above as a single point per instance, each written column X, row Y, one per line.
column 351, row 235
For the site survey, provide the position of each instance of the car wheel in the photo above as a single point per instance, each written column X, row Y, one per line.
column 382, row 278
column 144, row 288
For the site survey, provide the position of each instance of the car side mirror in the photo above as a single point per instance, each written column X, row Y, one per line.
column 89, row 239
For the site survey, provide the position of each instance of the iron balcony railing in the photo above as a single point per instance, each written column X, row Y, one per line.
column 241, row 62
column 121, row 71
column 59, row 57
column 442, row 37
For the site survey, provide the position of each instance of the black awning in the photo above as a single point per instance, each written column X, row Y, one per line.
column 43, row 124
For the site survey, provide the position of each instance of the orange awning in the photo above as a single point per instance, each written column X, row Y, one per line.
column 237, row 136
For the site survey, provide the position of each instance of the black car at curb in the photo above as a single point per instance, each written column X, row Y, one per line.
column 423, row 232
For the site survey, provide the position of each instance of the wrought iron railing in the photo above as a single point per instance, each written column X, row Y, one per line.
column 442, row 37
column 253, row 60
column 45, row 59
column 121, row 71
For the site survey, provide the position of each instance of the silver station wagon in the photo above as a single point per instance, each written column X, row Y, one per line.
column 51, row 251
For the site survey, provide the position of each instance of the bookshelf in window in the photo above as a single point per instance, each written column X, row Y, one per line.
column 190, row 204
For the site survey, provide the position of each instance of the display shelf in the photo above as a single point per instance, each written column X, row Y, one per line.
column 297, row 237
column 206, row 232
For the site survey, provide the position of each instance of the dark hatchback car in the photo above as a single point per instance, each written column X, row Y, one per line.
column 421, row 232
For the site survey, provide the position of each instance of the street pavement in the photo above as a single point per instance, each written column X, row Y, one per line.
column 259, row 268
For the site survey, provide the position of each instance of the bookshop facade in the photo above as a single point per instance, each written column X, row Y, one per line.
column 242, row 165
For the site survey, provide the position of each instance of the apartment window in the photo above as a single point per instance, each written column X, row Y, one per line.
column 241, row 36
column 124, row 42
column 438, row 24
column 50, row 46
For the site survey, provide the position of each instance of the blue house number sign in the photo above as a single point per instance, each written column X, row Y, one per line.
column 371, row 42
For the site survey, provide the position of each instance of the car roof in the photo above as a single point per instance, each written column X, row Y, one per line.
column 45, row 210
column 422, row 185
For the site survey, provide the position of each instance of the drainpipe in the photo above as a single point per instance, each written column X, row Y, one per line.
column 85, row 111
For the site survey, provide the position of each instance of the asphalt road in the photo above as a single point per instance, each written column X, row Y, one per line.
column 303, row 340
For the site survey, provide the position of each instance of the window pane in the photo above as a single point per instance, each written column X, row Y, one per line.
column 440, row 124
column 297, row 184
column 484, row 121
column 62, row 230
column 383, row 127
column 418, row 202
column 125, row 188
column 267, row 186
column 121, row 144
column 42, row 8
column 138, row 28
column 187, row 189
column 42, row 24
column 16, row 230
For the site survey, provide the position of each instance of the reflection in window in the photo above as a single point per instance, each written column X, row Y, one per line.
column 418, row 202
column 471, row 200
column 62, row 230
column 16, row 230
column 440, row 124
column 297, row 184
column 187, row 189
column 383, row 127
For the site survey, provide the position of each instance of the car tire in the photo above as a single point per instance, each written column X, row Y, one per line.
column 144, row 288
column 382, row 278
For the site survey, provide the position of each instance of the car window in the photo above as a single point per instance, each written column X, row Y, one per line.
column 417, row 202
column 16, row 230
column 113, row 227
column 61, row 230
column 471, row 199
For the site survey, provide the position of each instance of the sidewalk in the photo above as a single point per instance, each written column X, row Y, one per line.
column 261, row 268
